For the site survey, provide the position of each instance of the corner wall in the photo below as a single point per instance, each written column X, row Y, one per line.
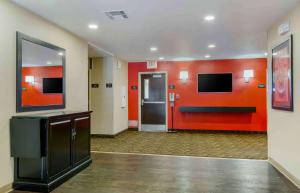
column 12, row 19
column 120, row 85
column 110, row 111
column 284, row 127
column 102, row 97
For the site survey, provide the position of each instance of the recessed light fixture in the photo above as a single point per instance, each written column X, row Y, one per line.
column 266, row 54
column 49, row 62
column 209, row 18
column 93, row 26
column 60, row 53
column 153, row 49
column 161, row 58
column 207, row 56
column 211, row 46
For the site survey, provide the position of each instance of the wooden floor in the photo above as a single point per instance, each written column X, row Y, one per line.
column 128, row 173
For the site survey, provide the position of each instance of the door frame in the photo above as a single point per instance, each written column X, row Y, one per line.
column 140, row 94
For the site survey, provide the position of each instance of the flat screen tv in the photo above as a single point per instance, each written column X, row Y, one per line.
column 52, row 85
column 215, row 82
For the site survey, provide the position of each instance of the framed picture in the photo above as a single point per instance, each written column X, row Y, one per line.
column 282, row 76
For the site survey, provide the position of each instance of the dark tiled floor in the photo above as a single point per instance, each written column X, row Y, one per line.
column 203, row 144
column 120, row 173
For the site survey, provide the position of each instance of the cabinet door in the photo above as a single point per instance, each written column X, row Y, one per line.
column 60, row 138
column 81, row 142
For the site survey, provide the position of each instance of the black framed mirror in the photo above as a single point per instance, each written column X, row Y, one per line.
column 40, row 75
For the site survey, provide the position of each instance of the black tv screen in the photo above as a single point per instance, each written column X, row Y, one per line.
column 215, row 82
column 52, row 85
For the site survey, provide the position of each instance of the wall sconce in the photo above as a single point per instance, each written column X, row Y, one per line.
column 248, row 74
column 30, row 80
column 184, row 75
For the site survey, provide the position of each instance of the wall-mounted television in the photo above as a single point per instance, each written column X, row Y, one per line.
column 52, row 85
column 215, row 82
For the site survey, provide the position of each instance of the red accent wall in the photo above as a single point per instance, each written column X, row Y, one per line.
column 244, row 94
column 32, row 95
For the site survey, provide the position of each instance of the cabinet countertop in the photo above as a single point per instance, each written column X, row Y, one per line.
column 51, row 114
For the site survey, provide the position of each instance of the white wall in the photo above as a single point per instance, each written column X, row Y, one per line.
column 12, row 19
column 120, row 81
column 108, row 117
column 284, row 127
column 102, row 97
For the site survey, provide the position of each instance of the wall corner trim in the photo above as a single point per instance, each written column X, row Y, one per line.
column 283, row 171
column 6, row 188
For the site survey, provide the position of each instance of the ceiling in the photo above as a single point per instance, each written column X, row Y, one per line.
column 175, row 27
column 95, row 51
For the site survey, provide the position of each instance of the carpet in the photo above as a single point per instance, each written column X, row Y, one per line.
column 200, row 144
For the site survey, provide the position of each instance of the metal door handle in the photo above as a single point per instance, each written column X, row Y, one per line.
column 142, row 102
column 74, row 134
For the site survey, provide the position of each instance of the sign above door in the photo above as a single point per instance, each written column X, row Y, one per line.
column 152, row 64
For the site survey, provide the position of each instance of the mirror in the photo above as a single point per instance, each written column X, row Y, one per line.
column 40, row 75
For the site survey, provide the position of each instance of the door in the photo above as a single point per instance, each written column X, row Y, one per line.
column 59, row 146
column 81, row 137
column 153, row 102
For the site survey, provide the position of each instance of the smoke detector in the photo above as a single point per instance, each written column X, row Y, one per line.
column 116, row 14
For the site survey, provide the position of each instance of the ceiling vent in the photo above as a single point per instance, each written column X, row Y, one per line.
column 116, row 14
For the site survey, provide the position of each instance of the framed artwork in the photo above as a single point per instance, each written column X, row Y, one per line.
column 282, row 76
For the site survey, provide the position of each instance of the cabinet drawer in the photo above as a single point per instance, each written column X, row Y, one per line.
column 26, row 137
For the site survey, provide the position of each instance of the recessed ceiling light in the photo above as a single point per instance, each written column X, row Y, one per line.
column 207, row 56
column 93, row 26
column 49, row 62
column 60, row 53
column 209, row 18
column 153, row 49
column 266, row 54
column 211, row 46
column 161, row 58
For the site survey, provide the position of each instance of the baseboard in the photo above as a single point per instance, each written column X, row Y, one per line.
column 118, row 133
column 286, row 173
column 133, row 129
column 107, row 135
column 170, row 130
column 216, row 131
column 183, row 130
column 102, row 136
column 6, row 188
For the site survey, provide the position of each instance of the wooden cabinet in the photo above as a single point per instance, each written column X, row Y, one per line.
column 59, row 147
column 49, row 148
column 81, row 145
